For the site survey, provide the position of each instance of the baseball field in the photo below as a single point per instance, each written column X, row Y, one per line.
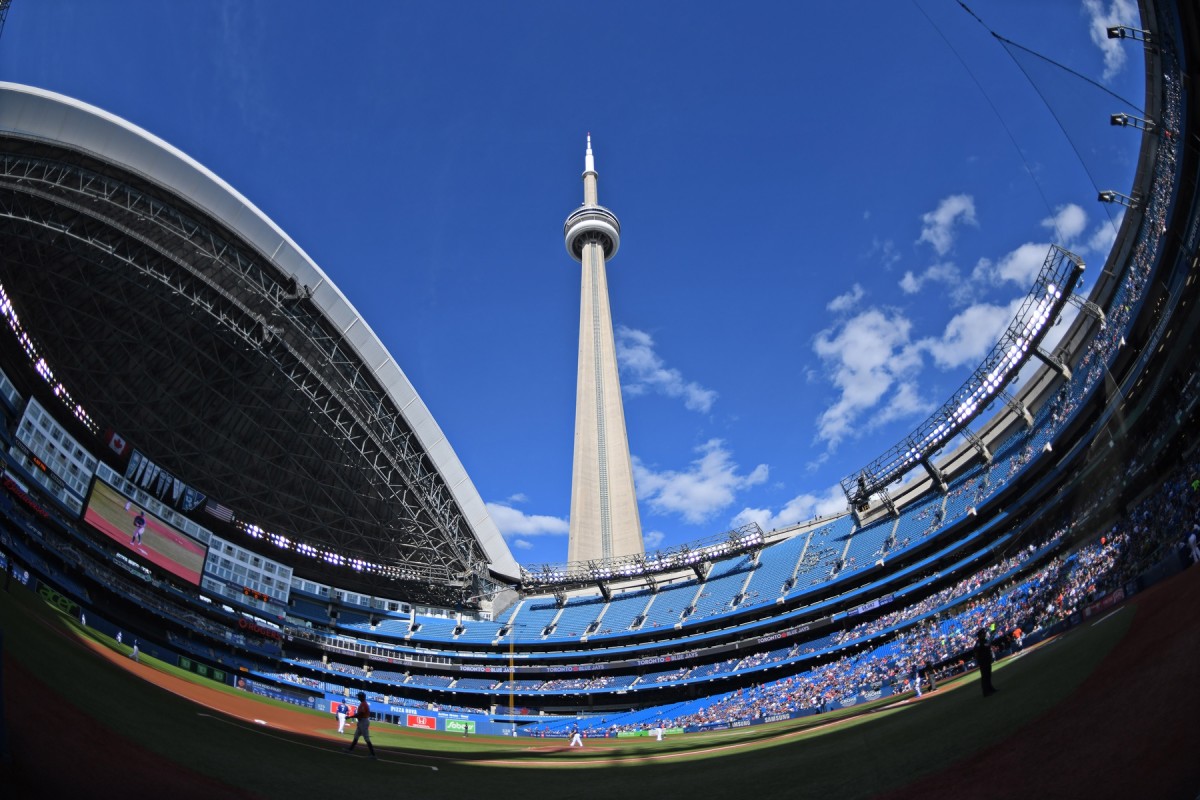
column 1110, row 709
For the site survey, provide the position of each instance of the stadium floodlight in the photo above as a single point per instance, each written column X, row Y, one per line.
column 747, row 538
column 1054, row 285
column 1110, row 196
column 40, row 365
column 1126, row 32
column 1131, row 121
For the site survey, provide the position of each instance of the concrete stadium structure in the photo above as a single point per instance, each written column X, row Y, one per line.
column 192, row 326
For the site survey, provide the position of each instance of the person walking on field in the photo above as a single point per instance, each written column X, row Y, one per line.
column 363, row 728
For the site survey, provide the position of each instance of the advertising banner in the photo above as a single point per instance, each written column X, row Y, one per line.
column 276, row 693
column 421, row 721
column 1104, row 603
column 460, row 725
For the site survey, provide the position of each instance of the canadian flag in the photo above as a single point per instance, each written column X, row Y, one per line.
column 116, row 442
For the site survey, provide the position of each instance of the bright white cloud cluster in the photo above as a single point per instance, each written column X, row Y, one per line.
column 1068, row 223
column 946, row 273
column 1068, row 227
column 799, row 509
column 644, row 371
column 870, row 359
column 514, row 522
column 1100, row 18
column 846, row 302
column 970, row 334
column 709, row 485
column 937, row 226
column 1022, row 265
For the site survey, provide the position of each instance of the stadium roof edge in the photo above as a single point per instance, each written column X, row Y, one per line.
column 41, row 114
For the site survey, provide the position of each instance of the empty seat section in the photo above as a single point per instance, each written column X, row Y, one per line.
column 623, row 609
column 669, row 605
column 724, row 583
column 535, row 615
column 576, row 616
column 775, row 566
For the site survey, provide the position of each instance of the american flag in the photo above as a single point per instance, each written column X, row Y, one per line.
column 219, row 511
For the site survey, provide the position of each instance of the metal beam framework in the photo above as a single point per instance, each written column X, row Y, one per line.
column 935, row 474
column 1054, row 284
column 1017, row 407
column 1088, row 307
column 978, row 444
column 258, row 401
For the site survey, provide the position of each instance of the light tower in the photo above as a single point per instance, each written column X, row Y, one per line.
column 604, row 511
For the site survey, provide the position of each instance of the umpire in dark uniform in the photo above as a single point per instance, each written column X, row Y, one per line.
column 983, row 657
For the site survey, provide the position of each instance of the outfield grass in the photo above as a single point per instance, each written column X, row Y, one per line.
column 864, row 755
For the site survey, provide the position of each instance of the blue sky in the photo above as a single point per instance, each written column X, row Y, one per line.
column 828, row 210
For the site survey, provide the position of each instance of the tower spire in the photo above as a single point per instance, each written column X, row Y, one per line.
column 604, row 514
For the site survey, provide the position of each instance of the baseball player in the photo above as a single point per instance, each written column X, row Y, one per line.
column 341, row 716
column 363, row 728
column 139, row 524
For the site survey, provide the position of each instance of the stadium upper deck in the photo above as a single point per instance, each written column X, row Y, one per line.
column 192, row 329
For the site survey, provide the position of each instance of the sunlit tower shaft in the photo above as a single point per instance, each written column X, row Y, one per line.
column 604, row 511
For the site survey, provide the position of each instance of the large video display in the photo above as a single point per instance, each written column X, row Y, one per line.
column 137, row 530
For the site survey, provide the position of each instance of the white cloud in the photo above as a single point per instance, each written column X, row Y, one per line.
column 1102, row 239
column 653, row 539
column 710, row 484
column 945, row 272
column 903, row 404
column 799, row 509
column 970, row 334
column 514, row 522
column 883, row 253
column 1100, row 18
column 938, row 225
column 847, row 301
column 522, row 544
column 1022, row 265
column 870, row 359
column 645, row 371
column 1067, row 223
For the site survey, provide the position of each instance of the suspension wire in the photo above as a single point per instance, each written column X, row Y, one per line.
column 1007, row 44
column 1051, row 61
column 1011, row 137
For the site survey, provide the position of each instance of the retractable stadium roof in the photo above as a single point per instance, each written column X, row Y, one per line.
column 183, row 318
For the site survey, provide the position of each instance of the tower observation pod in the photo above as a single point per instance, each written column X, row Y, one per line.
column 604, row 511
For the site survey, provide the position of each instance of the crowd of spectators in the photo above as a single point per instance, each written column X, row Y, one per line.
column 1065, row 584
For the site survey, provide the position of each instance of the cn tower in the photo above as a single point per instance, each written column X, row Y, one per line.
column 604, row 511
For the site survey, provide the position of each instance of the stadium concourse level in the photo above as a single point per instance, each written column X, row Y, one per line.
column 1087, row 504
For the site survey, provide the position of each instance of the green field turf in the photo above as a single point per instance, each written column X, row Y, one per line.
column 869, row 753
